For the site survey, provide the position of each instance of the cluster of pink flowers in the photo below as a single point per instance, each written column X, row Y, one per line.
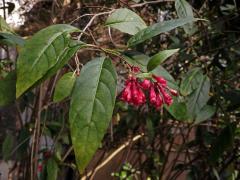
column 136, row 91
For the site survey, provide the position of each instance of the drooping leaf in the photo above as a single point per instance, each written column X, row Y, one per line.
column 158, row 58
column 52, row 169
column 199, row 97
column 7, row 146
column 126, row 21
column 191, row 81
column 222, row 143
column 205, row 113
column 8, row 89
column 11, row 39
column 91, row 109
column 44, row 54
column 136, row 59
column 160, row 71
column 4, row 27
column 64, row 87
column 157, row 29
column 184, row 9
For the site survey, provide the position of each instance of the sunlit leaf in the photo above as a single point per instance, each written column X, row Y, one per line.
column 43, row 54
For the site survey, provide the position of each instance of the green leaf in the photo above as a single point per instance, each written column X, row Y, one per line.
column 8, row 89
column 159, row 58
column 7, row 146
column 44, row 54
column 160, row 71
column 126, row 21
column 52, row 169
column 4, row 27
column 191, row 81
column 205, row 113
column 91, row 109
column 157, row 29
column 11, row 39
column 178, row 110
column 198, row 99
column 222, row 143
column 184, row 9
column 136, row 59
column 64, row 87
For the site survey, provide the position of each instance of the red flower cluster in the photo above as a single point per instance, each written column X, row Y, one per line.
column 158, row 91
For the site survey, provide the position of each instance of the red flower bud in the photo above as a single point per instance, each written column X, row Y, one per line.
column 159, row 101
column 173, row 92
column 146, row 84
column 152, row 95
column 135, row 69
column 160, row 80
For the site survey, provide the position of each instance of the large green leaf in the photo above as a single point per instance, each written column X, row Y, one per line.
column 184, row 9
column 126, row 21
column 199, row 97
column 91, row 109
column 157, row 29
column 205, row 113
column 191, row 81
column 44, row 54
column 178, row 110
column 8, row 89
column 64, row 87
column 158, row 58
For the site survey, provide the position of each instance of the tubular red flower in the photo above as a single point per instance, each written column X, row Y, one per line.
column 152, row 95
column 160, row 80
column 145, row 84
column 173, row 92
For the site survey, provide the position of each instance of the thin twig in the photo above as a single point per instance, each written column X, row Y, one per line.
column 91, row 21
column 150, row 2
column 93, row 172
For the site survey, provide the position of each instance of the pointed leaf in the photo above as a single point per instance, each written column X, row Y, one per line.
column 205, row 113
column 64, row 87
column 126, row 21
column 158, row 58
column 8, row 89
column 43, row 54
column 184, row 9
column 157, row 29
column 191, row 81
column 198, row 99
column 91, row 109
